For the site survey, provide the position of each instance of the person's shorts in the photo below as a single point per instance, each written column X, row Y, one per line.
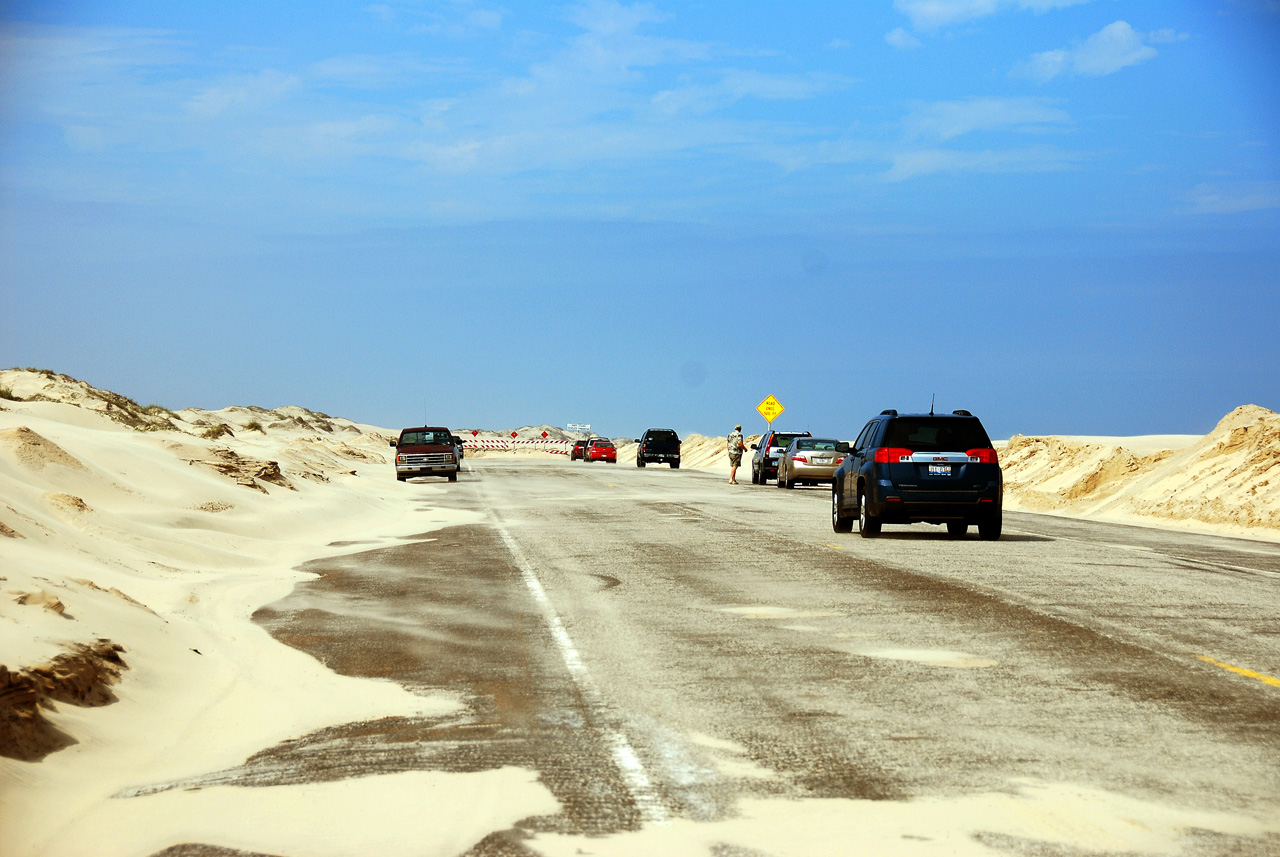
column 735, row 460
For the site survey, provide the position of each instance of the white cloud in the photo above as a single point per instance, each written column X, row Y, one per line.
column 244, row 92
column 456, row 22
column 610, row 18
column 936, row 14
column 923, row 162
column 945, row 120
column 365, row 71
column 838, row 45
column 1233, row 198
column 901, row 39
column 737, row 84
column 1112, row 48
column 1166, row 37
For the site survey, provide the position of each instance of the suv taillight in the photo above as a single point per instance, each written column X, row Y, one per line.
column 891, row 454
column 985, row 456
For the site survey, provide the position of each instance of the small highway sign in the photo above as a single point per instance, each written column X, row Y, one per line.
column 770, row 408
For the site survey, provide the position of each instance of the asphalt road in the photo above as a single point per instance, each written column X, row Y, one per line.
column 617, row 628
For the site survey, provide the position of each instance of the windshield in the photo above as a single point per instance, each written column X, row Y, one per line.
column 420, row 438
column 936, row 434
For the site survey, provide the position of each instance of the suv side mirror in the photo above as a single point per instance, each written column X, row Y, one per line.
column 394, row 442
column 637, row 440
column 754, row 446
column 842, row 446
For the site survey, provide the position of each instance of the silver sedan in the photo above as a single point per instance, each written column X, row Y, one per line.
column 809, row 459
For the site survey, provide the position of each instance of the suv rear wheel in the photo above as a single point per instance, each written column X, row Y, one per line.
column 868, row 524
column 989, row 530
column 839, row 523
column 639, row 461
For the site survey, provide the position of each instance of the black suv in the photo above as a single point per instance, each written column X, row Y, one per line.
column 907, row 468
column 764, row 464
column 660, row 445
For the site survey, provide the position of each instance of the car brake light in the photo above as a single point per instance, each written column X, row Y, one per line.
column 891, row 454
column 840, row 460
column 801, row 458
column 985, row 456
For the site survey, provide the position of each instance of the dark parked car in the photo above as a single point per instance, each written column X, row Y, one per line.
column 659, row 446
column 907, row 468
column 764, row 464
column 578, row 451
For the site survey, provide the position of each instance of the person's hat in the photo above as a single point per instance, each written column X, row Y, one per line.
column 737, row 428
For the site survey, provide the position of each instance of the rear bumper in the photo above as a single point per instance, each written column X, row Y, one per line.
column 661, row 457
column 908, row 507
column 811, row 472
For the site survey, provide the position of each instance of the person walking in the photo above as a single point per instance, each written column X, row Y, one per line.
column 735, row 447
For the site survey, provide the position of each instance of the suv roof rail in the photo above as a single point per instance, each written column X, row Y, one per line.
column 962, row 413
column 889, row 412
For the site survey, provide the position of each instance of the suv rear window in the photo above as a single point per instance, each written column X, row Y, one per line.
column 783, row 439
column 663, row 436
column 936, row 434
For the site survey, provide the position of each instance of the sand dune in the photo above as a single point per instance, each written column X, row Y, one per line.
column 135, row 544
column 1227, row 481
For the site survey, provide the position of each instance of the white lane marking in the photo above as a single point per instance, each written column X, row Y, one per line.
column 624, row 756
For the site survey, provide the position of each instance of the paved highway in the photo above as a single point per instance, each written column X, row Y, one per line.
column 660, row 646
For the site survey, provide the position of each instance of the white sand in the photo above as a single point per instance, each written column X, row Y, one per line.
column 1077, row 819
column 137, row 538
column 166, row 542
column 1226, row 482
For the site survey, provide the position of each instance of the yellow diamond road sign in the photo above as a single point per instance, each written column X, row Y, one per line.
column 770, row 408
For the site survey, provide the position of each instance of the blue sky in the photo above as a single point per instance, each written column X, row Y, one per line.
column 1063, row 215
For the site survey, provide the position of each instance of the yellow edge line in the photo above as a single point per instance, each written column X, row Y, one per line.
column 1265, row 679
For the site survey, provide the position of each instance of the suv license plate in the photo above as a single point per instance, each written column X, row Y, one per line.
column 939, row 469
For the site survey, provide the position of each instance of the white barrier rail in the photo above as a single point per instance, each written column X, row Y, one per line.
column 498, row 444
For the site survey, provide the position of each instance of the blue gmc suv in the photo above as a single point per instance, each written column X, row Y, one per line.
column 907, row 468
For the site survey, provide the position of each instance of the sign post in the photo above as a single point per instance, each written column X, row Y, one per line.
column 769, row 409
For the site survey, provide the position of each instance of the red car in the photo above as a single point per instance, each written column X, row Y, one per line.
column 579, row 447
column 599, row 449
